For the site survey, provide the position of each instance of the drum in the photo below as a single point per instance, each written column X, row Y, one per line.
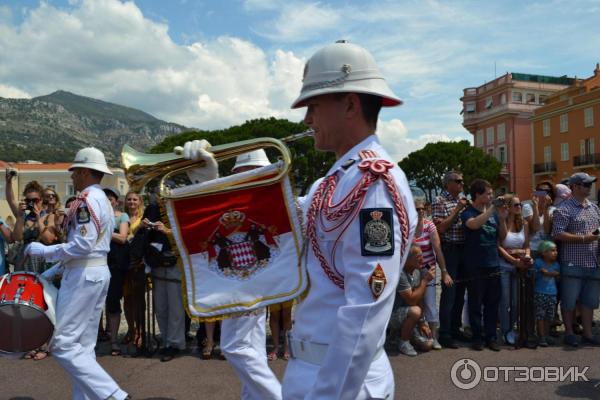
column 24, row 325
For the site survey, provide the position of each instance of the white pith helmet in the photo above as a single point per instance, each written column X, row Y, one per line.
column 343, row 67
column 256, row 158
column 91, row 158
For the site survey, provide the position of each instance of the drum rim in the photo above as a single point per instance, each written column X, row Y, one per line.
column 24, row 303
column 22, row 273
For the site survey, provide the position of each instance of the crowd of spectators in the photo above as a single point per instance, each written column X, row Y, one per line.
column 506, row 267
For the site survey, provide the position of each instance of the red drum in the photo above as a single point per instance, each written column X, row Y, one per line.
column 23, row 324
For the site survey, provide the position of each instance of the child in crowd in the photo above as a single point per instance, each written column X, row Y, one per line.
column 547, row 270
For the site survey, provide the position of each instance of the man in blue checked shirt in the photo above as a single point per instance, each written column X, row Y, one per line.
column 575, row 226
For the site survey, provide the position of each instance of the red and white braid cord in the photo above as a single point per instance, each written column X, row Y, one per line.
column 346, row 210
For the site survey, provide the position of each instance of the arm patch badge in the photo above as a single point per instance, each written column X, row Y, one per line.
column 376, row 232
column 377, row 282
column 83, row 215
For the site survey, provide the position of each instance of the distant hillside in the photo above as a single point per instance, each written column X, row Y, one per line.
column 52, row 128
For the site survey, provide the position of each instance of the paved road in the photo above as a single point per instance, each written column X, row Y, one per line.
column 424, row 377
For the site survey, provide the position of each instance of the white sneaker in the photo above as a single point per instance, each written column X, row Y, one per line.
column 406, row 348
column 510, row 337
column 436, row 344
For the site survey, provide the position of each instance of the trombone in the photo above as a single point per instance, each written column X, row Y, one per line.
column 140, row 167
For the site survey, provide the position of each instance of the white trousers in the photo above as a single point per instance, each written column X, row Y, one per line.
column 243, row 342
column 300, row 377
column 168, row 305
column 79, row 305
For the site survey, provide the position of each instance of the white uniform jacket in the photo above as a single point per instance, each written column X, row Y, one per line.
column 89, row 229
column 352, row 321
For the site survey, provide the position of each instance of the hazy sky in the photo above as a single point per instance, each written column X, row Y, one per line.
column 213, row 64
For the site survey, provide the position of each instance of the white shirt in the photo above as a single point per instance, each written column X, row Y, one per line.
column 351, row 320
column 90, row 239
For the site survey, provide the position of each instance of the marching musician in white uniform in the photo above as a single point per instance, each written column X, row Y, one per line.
column 85, row 279
column 243, row 338
column 360, row 223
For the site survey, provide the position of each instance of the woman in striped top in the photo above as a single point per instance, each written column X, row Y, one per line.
column 428, row 240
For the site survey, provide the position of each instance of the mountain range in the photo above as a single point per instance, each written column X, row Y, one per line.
column 52, row 128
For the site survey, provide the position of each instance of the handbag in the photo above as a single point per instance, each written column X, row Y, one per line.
column 156, row 258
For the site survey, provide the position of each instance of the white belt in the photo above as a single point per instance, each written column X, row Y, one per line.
column 314, row 353
column 86, row 262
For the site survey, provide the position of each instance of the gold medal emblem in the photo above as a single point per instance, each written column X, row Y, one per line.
column 377, row 282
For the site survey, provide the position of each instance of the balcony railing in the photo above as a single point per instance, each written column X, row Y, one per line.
column 546, row 167
column 586, row 159
column 502, row 108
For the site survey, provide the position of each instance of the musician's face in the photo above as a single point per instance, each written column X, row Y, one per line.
column 324, row 114
column 77, row 176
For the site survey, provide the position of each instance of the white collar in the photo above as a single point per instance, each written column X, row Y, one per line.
column 352, row 154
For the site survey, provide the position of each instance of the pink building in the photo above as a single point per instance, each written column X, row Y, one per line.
column 498, row 116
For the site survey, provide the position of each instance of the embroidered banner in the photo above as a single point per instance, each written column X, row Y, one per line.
column 240, row 249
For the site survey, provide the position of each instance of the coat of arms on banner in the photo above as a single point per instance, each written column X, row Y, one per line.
column 240, row 246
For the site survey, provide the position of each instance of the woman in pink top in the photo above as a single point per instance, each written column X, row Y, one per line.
column 427, row 238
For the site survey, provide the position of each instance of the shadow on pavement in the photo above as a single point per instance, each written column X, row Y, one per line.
column 580, row 390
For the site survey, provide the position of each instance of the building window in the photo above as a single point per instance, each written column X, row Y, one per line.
column 501, row 130
column 503, row 98
column 470, row 107
column 517, row 97
column 564, row 123
column 546, row 127
column 502, row 154
column 586, row 147
column 530, row 97
column 564, row 152
column 70, row 190
column 542, row 98
column 588, row 117
column 479, row 138
column 547, row 154
column 488, row 102
column 491, row 152
column 489, row 133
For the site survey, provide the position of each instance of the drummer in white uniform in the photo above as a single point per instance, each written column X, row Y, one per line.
column 360, row 223
column 85, row 279
column 243, row 338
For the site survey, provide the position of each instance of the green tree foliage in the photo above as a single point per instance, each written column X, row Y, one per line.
column 307, row 164
column 428, row 165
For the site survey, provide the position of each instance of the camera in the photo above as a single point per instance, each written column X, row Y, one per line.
column 12, row 172
column 540, row 193
column 596, row 232
column 498, row 202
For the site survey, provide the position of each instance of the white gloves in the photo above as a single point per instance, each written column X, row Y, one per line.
column 35, row 249
column 196, row 151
